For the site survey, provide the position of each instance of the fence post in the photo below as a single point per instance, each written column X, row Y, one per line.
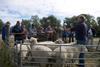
column 21, row 55
column 81, row 56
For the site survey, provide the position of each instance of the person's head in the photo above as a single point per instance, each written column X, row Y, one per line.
column 33, row 25
column 49, row 26
column 7, row 23
column 81, row 18
column 18, row 23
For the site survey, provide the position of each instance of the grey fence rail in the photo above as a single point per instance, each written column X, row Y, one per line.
column 92, row 57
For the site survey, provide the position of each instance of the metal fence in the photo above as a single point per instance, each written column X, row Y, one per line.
column 92, row 57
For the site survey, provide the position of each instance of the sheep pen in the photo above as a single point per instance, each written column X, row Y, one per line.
column 91, row 60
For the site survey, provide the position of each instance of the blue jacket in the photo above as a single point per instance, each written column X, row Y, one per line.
column 4, row 32
column 81, row 32
column 17, row 29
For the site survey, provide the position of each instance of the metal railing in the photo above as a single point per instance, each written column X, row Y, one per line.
column 95, row 57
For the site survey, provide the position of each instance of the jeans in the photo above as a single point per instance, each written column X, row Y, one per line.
column 82, row 54
column 81, row 60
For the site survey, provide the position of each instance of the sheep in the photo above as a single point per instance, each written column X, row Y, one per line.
column 59, row 41
column 65, row 54
column 49, row 44
column 39, row 51
column 43, row 52
column 65, row 57
column 11, row 41
column 22, row 50
column 62, row 55
column 57, row 57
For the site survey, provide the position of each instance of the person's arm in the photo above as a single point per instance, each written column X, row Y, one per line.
column 83, row 29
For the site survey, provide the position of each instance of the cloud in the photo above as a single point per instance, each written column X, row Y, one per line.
column 13, row 10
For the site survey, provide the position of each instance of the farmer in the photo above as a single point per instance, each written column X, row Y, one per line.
column 81, row 37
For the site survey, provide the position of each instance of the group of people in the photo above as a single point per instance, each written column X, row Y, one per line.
column 68, row 34
column 81, row 32
column 41, row 33
column 20, row 32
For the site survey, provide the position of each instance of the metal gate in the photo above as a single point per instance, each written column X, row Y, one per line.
column 92, row 57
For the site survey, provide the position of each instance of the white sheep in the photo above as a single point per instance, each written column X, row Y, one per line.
column 65, row 54
column 41, row 51
column 59, row 41
column 61, row 55
column 49, row 44
column 22, row 50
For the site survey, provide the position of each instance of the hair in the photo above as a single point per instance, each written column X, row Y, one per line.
column 18, row 21
column 8, row 22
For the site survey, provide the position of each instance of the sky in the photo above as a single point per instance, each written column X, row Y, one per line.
column 13, row 10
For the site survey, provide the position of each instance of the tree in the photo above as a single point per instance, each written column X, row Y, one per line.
column 98, row 20
column 50, row 20
column 1, row 24
column 67, row 21
column 93, row 23
column 26, row 22
column 35, row 20
column 98, row 28
column 70, row 21
column 43, row 22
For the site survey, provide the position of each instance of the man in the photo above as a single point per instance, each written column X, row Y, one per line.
column 25, row 32
column 90, row 36
column 17, row 32
column 49, row 32
column 32, row 31
column 6, row 33
column 81, row 37
column 65, row 35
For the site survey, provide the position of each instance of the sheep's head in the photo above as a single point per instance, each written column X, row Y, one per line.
column 33, row 40
column 59, row 41
column 26, row 40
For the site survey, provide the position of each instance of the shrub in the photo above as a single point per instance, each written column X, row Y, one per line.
column 5, row 57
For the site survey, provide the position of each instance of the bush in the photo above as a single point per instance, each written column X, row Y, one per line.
column 5, row 57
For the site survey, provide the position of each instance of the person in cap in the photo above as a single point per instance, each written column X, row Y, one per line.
column 81, row 37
